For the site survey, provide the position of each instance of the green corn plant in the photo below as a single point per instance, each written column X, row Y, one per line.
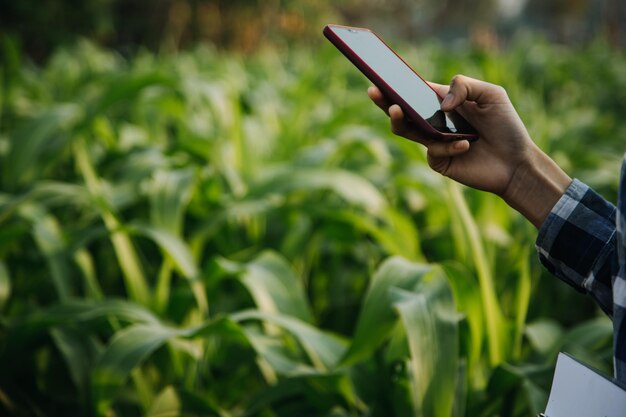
column 201, row 234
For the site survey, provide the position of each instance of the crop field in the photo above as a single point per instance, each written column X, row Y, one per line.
column 213, row 234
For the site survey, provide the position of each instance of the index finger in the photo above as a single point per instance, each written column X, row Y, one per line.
column 440, row 89
column 464, row 88
column 379, row 98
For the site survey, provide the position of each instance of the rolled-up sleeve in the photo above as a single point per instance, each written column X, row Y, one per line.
column 577, row 243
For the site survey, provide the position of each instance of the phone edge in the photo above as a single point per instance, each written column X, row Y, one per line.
column 387, row 90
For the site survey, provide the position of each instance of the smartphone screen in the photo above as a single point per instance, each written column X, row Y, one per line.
column 400, row 78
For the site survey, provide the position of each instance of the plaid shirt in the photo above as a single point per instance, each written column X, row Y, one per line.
column 583, row 242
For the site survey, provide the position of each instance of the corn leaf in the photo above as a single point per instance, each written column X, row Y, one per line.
column 134, row 277
column 396, row 233
column 467, row 299
column 48, row 235
column 171, row 244
column 323, row 349
column 431, row 325
column 272, row 351
column 497, row 337
column 275, row 287
column 129, row 348
column 5, row 285
column 377, row 317
column 169, row 194
column 79, row 352
column 166, row 404
column 352, row 187
column 32, row 143
column 81, row 312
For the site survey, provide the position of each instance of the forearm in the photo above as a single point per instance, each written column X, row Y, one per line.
column 536, row 186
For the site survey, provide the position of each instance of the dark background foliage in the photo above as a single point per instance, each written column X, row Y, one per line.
column 126, row 25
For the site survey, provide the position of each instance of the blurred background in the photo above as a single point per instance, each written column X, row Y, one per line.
column 202, row 214
column 247, row 25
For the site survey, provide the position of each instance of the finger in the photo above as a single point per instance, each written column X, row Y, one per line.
column 378, row 98
column 464, row 88
column 448, row 149
column 402, row 127
column 440, row 89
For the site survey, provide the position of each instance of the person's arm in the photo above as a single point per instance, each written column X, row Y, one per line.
column 577, row 226
column 504, row 161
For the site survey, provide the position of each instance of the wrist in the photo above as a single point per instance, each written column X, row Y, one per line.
column 536, row 186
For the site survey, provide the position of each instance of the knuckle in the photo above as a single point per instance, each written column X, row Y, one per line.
column 435, row 150
column 501, row 91
column 457, row 79
column 396, row 129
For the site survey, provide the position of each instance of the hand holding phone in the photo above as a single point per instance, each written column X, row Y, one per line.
column 399, row 83
column 505, row 161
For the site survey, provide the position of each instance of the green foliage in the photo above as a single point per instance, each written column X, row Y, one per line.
column 204, row 234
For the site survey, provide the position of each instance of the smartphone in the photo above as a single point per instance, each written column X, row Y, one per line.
column 399, row 83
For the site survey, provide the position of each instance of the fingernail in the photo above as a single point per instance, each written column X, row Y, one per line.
column 460, row 144
column 447, row 100
column 395, row 109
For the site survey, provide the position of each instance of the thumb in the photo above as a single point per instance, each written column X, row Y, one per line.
column 464, row 88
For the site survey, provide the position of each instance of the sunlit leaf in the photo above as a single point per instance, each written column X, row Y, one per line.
column 166, row 404
column 324, row 349
column 275, row 287
column 353, row 188
column 467, row 298
column 396, row 233
column 48, row 235
column 170, row 192
column 431, row 325
column 85, row 263
column 172, row 245
column 273, row 351
column 134, row 276
column 498, row 338
column 377, row 316
column 128, row 349
column 122, row 87
column 5, row 285
column 544, row 335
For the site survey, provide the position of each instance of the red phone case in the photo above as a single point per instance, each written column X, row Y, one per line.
column 389, row 92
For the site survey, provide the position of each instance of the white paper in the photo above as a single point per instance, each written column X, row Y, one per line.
column 578, row 391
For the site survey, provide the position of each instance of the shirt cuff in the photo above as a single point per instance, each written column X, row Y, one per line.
column 576, row 239
column 559, row 214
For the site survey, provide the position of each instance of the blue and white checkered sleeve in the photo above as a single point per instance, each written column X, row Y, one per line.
column 577, row 243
